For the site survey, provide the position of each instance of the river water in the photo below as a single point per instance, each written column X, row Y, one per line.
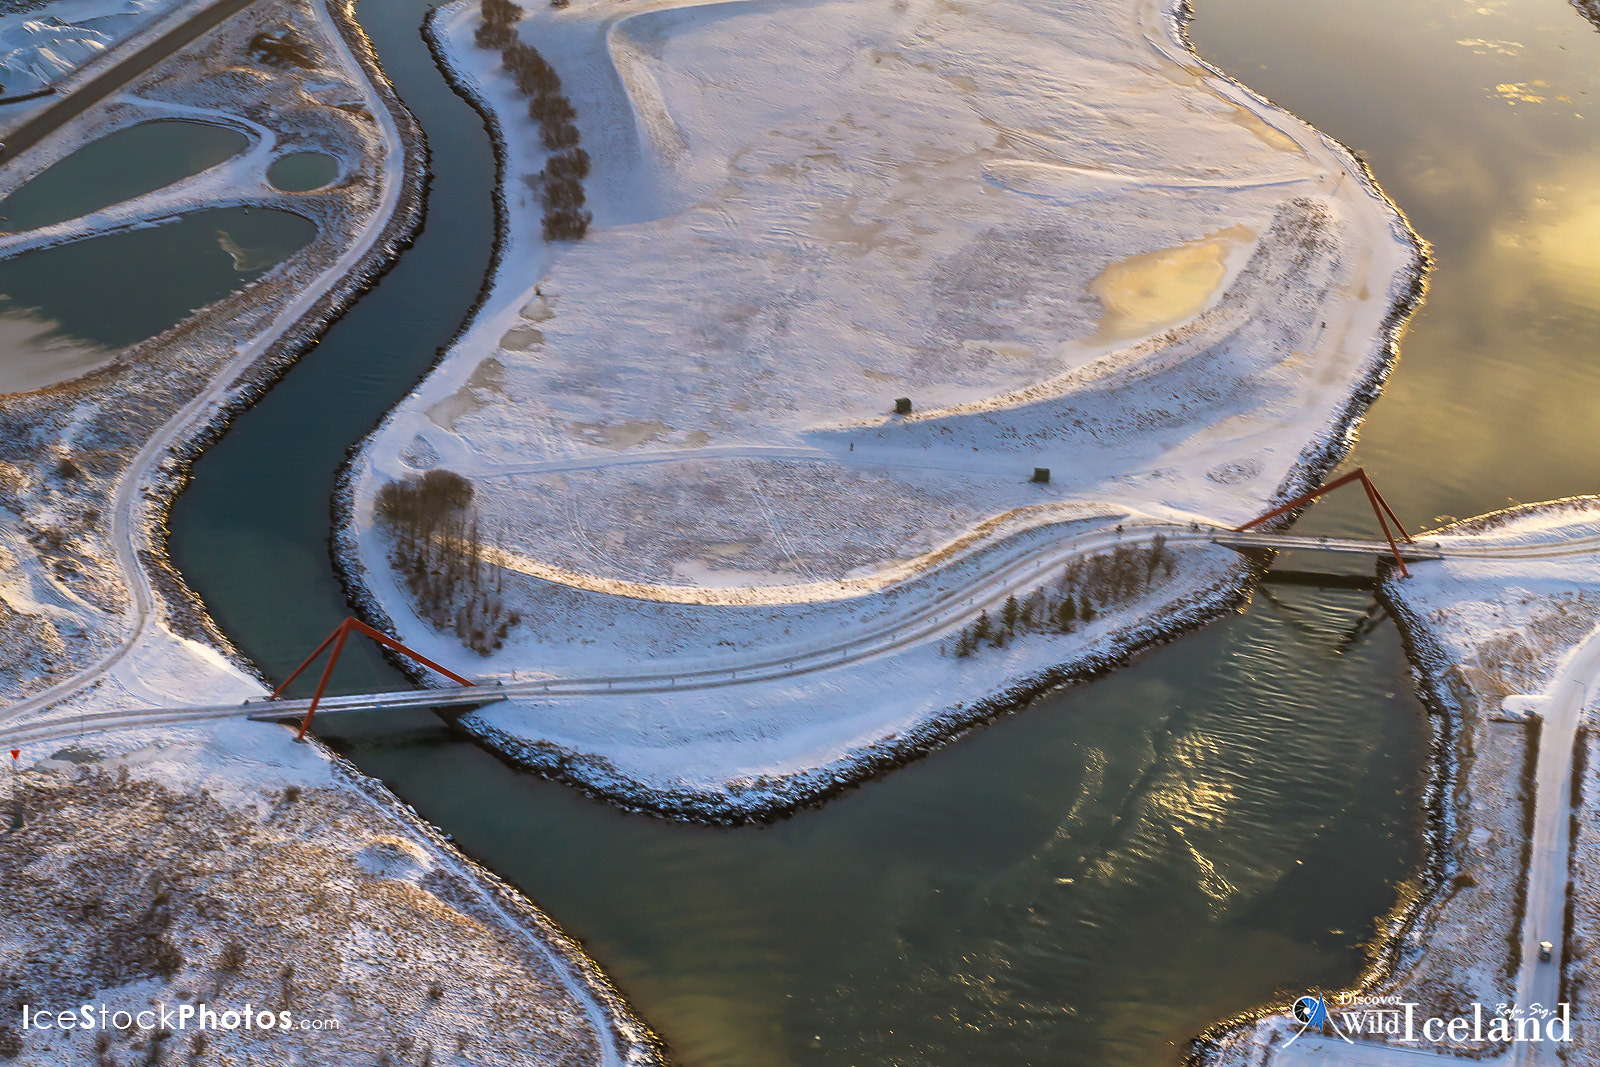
column 1093, row 879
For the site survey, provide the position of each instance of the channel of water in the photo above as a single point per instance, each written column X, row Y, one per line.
column 1095, row 878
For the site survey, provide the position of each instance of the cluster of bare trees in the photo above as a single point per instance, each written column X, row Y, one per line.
column 495, row 29
column 1087, row 587
column 438, row 548
column 561, row 181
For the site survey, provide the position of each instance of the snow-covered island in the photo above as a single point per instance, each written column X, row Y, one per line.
column 1505, row 632
column 737, row 493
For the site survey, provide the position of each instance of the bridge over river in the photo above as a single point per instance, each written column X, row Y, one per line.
column 930, row 618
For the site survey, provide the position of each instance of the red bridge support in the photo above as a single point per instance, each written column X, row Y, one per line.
column 1380, row 508
column 337, row 639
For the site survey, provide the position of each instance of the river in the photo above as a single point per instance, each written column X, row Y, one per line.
column 1093, row 879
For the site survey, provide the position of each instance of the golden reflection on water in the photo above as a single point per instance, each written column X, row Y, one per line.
column 1558, row 243
column 1480, row 121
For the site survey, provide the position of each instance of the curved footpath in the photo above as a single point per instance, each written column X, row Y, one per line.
column 956, row 588
column 135, row 511
column 1014, row 574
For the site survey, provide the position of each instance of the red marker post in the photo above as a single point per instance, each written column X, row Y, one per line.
column 16, row 753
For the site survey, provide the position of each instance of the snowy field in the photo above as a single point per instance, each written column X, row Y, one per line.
column 230, row 867
column 1068, row 243
column 40, row 45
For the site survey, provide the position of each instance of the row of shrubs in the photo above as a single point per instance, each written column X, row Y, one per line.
column 1087, row 587
column 561, row 181
column 438, row 549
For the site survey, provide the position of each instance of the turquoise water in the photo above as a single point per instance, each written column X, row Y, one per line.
column 118, row 167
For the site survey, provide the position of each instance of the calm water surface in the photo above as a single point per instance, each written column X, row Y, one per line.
column 1482, row 120
column 1092, row 880
column 298, row 172
column 66, row 309
column 118, row 167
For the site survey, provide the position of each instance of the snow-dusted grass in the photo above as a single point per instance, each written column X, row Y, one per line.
column 1069, row 243
column 241, row 868
column 65, row 481
column 231, row 867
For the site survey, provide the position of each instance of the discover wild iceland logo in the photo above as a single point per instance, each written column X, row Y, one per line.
column 1390, row 1018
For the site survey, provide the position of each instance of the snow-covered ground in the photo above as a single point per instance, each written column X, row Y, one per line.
column 39, row 47
column 1506, row 631
column 81, row 483
column 1065, row 239
column 230, row 867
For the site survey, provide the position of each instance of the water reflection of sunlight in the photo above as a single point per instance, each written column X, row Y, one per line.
column 1559, row 244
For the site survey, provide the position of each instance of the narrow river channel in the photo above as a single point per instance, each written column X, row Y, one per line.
column 1094, row 879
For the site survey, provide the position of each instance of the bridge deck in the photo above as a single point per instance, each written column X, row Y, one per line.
column 272, row 710
column 1347, row 546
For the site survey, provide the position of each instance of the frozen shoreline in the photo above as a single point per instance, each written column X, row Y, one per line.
column 783, row 749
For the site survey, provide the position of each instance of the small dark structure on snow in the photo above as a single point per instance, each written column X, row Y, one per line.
column 1041, row 475
column 902, row 405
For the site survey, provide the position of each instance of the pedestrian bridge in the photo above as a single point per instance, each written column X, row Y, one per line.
column 277, row 710
column 928, row 620
column 1411, row 550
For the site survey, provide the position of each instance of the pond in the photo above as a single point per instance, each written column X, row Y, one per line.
column 67, row 309
column 118, row 167
column 1094, row 879
column 300, row 172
